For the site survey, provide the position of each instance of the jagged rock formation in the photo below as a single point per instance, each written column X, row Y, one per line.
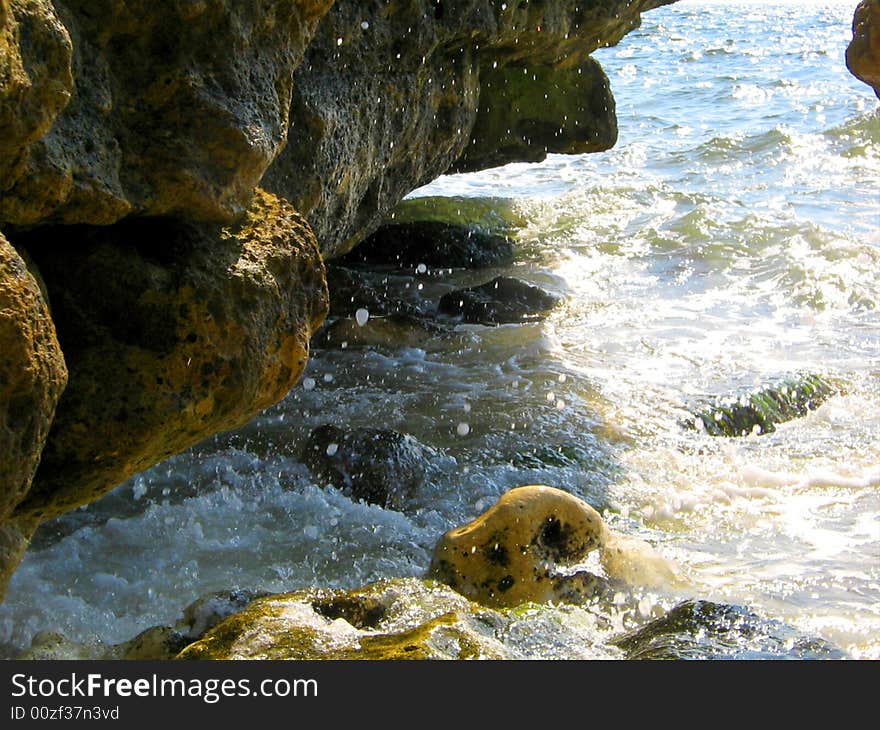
column 133, row 138
column 385, row 102
column 863, row 52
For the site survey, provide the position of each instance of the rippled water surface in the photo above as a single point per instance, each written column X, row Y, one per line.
column 731, row 237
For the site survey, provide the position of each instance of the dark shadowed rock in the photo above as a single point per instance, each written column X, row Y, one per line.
column 434, row 244
column 379, row 466
column 501, row 301
column 172, row 332
column 385, row 102
column 32, row 376
column 707, row 630
column 863, row 52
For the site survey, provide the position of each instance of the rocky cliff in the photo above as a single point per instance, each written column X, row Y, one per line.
column 863, row 52
column 173, row 174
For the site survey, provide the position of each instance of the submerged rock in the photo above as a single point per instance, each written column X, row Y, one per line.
column 707, row 630
column 501, row 301
column 378, row 466
column 396, row 619
column 863, row 52
column 171, row 332
column 759, row 412
column 433, row 244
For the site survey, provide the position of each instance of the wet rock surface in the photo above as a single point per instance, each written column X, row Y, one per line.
column 759, row 412
column 378, row 466
column 432, row 244
column 503, row 300
column 172, row 332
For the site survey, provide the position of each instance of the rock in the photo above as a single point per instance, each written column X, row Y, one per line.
column 33, row 375
column 385, row 102
column 15, row 536
column 518, row 550
column 172, row 332
column 760, row 411
column 36, row 79
column 391, row 332
column 519, row 120
column 378, row 466
column 863, row 52
column 432, row 244
column 171, row 108
column 707, row 630
column 389, row 620
column 351, row 290
column 501, row 301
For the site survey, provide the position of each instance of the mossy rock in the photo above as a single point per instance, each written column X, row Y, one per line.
column 403, row 618
column 503, row 300
column 760, row 411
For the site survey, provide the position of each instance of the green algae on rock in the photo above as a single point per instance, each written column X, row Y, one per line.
column 759, row 412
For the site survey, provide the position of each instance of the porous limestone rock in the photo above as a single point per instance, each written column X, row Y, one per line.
column 387, row 100
column 389, row 620
column 33, row 375
column 517, row 550
column 433, row 244
column 172, row 332
column 863, row 52
column 160, row 108
column 36, row 79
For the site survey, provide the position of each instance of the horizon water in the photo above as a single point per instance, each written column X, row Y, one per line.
column 730, row 238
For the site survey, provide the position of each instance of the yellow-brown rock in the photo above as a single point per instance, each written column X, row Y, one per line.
column 172, row 332
column 175, row 107
column 514, row 551
column 863, row 52
column 388, row 620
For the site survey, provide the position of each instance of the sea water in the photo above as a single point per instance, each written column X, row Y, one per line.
column 731, row 237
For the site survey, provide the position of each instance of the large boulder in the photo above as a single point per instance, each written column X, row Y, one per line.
column 172, row 332
column 863, row 52
column 33, row 375
column 159, row 108
column 504, row 300
column 385, row 102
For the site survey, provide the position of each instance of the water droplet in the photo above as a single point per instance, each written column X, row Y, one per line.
column 463, row 429
column 421, row 269
column 328, row 378
column 467, row 407
column 361, row 316
column 560, row 404
column 309, row 383
column 365, row 25
column 332, row 449
column 339, row 41
column 551, row 396
column 562, row 378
